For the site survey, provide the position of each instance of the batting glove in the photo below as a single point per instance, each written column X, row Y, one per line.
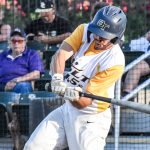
column 72, row 93
column 58, row 86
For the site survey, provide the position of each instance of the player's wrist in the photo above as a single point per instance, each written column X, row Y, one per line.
column 58, row 85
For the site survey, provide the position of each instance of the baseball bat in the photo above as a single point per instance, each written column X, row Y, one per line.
column 128, row 104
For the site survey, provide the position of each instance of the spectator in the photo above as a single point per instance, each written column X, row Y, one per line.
column 5, row 31
column 19, row 65
column 83, row 123
column 141, row 44
column 50, row 28
column 134, row 75
column 141, row 69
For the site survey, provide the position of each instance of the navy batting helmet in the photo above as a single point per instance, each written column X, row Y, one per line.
column 109, row 23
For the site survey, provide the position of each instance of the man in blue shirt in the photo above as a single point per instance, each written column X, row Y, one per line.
column 19, row 65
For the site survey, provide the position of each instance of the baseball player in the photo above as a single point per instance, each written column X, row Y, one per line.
column 83, row 123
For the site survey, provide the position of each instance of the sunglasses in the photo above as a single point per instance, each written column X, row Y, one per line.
column 17, row 41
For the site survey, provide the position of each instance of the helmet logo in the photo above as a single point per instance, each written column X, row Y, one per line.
column 101, row 23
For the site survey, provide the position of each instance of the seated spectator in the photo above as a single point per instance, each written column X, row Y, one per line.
column 19, row 65
column 133, row 76
column 140, row 44
column 50, row 28
column 141, row 69
column 5, row 31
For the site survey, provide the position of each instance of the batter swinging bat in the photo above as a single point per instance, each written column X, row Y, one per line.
column 133, row 105
column 128, row 104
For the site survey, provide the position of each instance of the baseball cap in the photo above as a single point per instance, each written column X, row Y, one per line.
column 44, row 6
column 18, row 31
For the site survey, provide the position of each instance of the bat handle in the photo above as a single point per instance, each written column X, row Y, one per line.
column 81, row 94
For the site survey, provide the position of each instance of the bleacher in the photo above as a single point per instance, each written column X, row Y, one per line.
column 27, row 107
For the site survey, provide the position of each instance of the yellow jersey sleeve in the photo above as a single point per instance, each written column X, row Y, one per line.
column 75, row 39
column 101, row 83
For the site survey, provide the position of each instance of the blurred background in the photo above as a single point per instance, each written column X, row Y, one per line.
column 21, row 12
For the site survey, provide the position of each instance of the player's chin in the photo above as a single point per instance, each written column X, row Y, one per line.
column 100, row 47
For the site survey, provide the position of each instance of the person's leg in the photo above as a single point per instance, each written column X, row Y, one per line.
column 134, row 75
column 86, row 131
column 50, row 133
column 23, row 87
column 94, row 133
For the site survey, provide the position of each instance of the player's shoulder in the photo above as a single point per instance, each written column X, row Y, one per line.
column 117, row 53
column 80, row 28
column 117, row 49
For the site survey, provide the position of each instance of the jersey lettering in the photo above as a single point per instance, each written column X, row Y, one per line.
column 73, row 77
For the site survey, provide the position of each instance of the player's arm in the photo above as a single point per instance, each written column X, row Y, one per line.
column 58, row 60
column 67, row 49
column 57, row 67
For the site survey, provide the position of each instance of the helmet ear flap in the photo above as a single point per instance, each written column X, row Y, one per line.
column 117, row 39
column 114, row 40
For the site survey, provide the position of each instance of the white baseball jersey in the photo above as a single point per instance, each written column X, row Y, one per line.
column 85, row 67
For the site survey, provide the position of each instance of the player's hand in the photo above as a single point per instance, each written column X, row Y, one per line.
column 72, row 93
column 58, row 86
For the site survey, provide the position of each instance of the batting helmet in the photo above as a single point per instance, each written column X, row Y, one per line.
column 109, row 23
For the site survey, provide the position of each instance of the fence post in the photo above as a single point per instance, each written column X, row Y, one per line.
column 117, row 115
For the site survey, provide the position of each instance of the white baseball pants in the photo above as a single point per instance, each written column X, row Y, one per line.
column 67, row 126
